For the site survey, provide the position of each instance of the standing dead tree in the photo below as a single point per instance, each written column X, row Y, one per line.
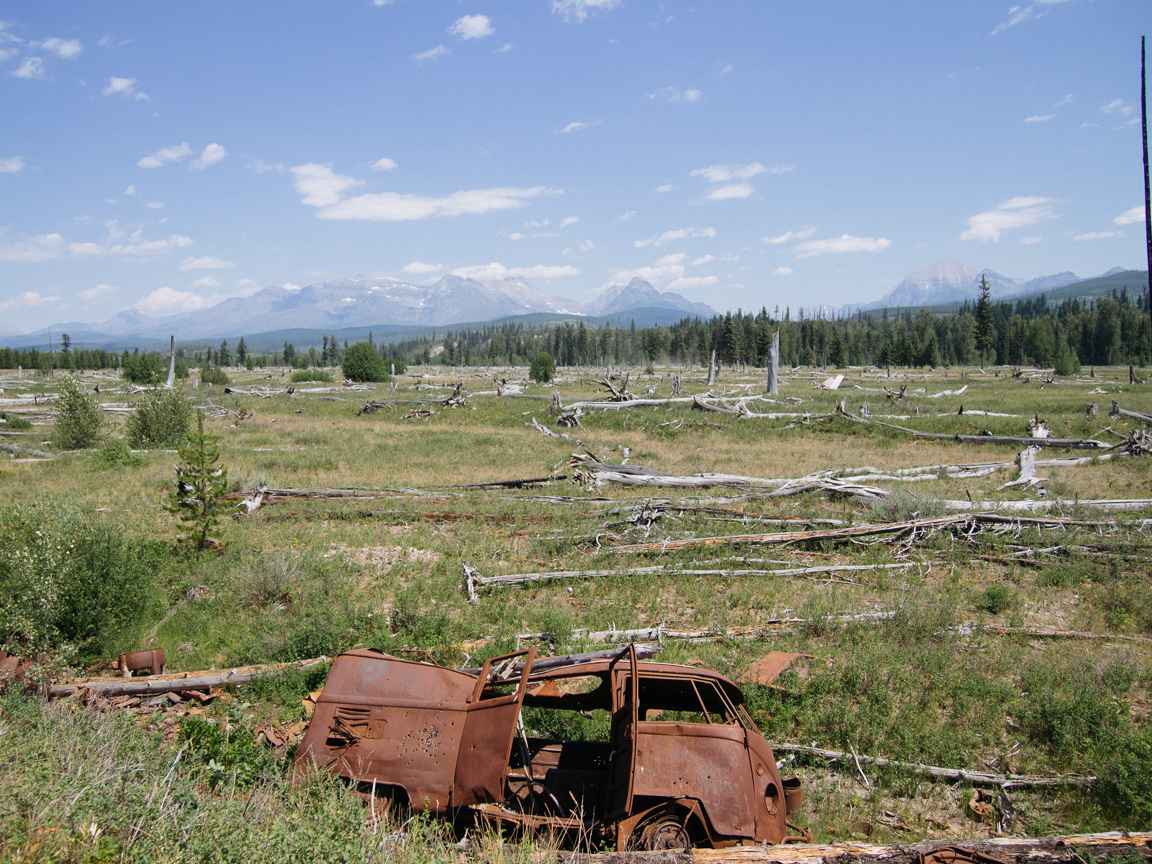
column 774, row 365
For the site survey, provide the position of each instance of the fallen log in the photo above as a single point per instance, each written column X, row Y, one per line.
column 177, row 681
column 1025, row 440
column 1117, row 411
column 962, row 775
column 474, row 582
column 971, row 521
column 960, row 391
column 20, row 451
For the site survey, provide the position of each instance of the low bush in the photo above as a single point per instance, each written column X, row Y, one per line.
column 543, row 368
column 996, row 599
column 115, row 453
column 302, row 375
column 71, row 584
column 147, row 369
column 362, row 363
column 161, row 420
column 214, row 375
column 78, row 417
column 16, row 422
column 229, row 751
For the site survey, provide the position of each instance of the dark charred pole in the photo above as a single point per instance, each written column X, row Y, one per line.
column 1147, row 192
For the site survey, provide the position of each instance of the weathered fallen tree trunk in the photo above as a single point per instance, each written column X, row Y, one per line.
column 1117, row 411
column 20, row 451
column 1062, row 443
column 1046, row 505
column 971, row 521
column 960, row 391
column 1066, row 849
column 473, row 581
column 177, row 681
column 604, row 405
column 963, row 775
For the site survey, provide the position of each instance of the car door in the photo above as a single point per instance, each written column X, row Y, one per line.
column 489, row 728
column 624, row 676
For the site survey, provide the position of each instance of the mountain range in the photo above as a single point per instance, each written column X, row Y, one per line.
column 360, row 302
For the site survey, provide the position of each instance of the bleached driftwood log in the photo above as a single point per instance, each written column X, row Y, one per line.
column 1117, row 411
column 1027, row 477
column 177, row 681
column 960, row 391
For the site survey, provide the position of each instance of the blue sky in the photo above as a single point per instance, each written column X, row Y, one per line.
column 166, row 156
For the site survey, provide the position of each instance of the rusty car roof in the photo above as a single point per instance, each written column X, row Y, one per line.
column 600, row 667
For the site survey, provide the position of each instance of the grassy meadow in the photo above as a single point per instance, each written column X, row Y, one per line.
column 302, row 578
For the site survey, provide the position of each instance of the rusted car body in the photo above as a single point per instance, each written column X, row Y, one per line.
column 149, row 662
column 632, row 754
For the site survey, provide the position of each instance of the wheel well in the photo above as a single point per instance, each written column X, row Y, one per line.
column 688, row 811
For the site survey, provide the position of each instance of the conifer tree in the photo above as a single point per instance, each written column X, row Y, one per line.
column 201, row 481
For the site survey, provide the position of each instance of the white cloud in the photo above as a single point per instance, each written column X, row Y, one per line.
column 627, row 216
column 98, row 291
column 676, row 94
column 431, row 54
column 577, row 126
column 396, row 207
column 131, row 245
column 380, row 4
column 165, row 156
column 693, row 282
column 1039, row 118
column 494, row 271
column 1066, row 99
column 1130, row 217
column 733, row 192
column 661, row 273
column 154, row 205
column 674, row 234
column 665, row 189
column 212, row 154
column 206, row 263
column 28, row 298
column 32, row 69
column 569, row 221
column 579, row 10
column 65, row 49
column 320, row 186
column 472, row 27
column 11, row 164
column 791, row 237
column 1119, row 106
column 125, row 87
column 40, row 247
column 782, row 271
column 421, row 268
column 206, row 282
column 1028, row 11
column 384, row 164
column 1098, row 235
column 704, row 259
column 170, row 301
column 262, row 167
column 728, row 173
column 843, row 244
column 1018, row 212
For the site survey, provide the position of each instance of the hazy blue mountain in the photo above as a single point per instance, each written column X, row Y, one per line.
column 640, row 294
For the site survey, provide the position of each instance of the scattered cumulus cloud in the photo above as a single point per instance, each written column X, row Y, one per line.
column 32, row 69
column 578, row 10
column 733, row 192
column 206, row 282
column 28, row 299
column 728, row 173
column 1021, row 211
column 495, row 271
column 206, row 263
column 319, row 186
column 791, row 236
column 627, row 216
column 31, row 249
column 661, row 273
column 673, row 95
column 845, row 243
column 171, row 301
column 126, row 88
column 421, row 268
column 212, row 154
column 98, row 292
column 384, row 164
column 65, row 49
column 689, row 282
column 431, row 54
column 1097, row 235
column 1130, row 217
column 262, row 167
column 569, row 221
column 166, row 156
column 1039, row 118
column 1119, row 107
column 577, row 126
column 131, row 245
column 674, row 234
column 1029, row 11
column 472, row 27
column 11, row 164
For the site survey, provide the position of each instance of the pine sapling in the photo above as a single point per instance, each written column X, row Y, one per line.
column 201, row 481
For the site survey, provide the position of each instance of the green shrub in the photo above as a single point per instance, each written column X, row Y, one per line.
column 78, row 417
column 542, row 368
column 301, row 375
column 15, row 421
column 996, row 599
column 214, row 375
column 147, row 369
column 161, row 420
column 69, row 583
column 362, row 363
column 1124, row 789
column 115, row 453
column 229, row 750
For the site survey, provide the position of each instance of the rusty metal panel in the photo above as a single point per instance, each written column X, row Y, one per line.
column 150, row 661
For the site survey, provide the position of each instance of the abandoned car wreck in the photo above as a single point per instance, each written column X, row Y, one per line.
column 631, row 754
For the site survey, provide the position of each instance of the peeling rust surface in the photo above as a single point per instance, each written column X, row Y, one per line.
column 675, row 761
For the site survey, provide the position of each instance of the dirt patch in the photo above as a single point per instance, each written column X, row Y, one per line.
column 382, row 558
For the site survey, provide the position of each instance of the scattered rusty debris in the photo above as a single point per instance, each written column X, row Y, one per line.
column 150, row 662
column 769, row 667
column 670, row 759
